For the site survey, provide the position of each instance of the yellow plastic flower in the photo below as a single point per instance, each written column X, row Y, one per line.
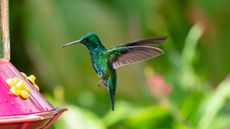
column 32, row 79
column 18, row 87
column 25, row 94
column 14, row 90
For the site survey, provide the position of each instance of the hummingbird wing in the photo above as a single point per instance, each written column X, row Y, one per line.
column 153, row 42
column 135, row 51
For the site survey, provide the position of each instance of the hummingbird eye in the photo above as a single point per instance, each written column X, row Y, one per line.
column 86, row 39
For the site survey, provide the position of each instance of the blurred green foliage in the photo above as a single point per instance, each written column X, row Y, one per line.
column 194, row 66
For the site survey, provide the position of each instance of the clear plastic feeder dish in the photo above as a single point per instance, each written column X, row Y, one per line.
column 21, row 104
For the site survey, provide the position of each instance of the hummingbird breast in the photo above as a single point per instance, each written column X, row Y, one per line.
column 101, row 64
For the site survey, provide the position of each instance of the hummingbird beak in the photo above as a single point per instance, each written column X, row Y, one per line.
column 71, row 43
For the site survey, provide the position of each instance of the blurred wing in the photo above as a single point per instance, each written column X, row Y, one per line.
column 132, row 55
column 136, row 51
column 153, row 42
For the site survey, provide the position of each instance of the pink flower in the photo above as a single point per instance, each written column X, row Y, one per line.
column 158, row 86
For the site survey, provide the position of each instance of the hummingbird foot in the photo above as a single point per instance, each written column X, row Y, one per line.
column 100, row 83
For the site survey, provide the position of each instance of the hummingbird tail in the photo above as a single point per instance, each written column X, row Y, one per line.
column 112, row 96
column 112, row 101
column 111, row 85
column 111, row 88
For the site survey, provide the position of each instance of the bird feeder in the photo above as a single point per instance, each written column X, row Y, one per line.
column 21, row 104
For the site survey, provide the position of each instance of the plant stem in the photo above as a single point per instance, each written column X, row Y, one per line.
column 4, row 31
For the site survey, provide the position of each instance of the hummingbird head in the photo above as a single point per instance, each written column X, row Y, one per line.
column 89, row 39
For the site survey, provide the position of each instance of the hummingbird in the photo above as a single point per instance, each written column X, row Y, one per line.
column 106, row 61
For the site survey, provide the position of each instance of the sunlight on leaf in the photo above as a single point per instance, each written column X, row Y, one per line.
column 142, row 115
column 123, row 109
column 220, row 122
column 213, row 104
column 78, row 118
column 188, row 77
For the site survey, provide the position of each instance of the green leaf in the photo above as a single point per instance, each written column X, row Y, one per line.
column 78, row 118
column 189, row 78
column 213, row 104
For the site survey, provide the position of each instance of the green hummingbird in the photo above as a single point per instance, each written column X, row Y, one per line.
column 105, row 62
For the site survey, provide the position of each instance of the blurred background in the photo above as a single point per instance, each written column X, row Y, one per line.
column 186, row 88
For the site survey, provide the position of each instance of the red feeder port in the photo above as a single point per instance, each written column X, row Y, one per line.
column 34, row 112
